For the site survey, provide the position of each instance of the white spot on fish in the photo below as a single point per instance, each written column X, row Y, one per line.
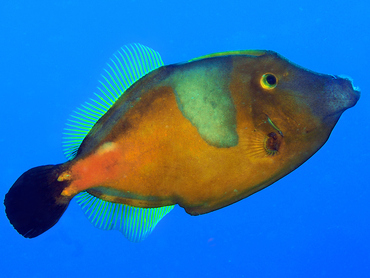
column 106, row 147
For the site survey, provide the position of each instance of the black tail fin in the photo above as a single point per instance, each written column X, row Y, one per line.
column 34, row 203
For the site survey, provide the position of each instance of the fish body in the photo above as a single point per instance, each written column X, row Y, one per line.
column 202, row 134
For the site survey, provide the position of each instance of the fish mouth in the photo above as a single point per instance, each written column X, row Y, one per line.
column 347, row 94
column 356, row 90
column 340, row 95
column 357, row 94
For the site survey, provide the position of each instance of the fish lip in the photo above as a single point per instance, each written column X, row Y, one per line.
column 357, row 92
column 352, row 100
column 355, row 89
column 348, row 97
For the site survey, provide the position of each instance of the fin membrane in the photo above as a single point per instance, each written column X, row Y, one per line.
column 124, row 68
column 34, row 203
column 136, row 224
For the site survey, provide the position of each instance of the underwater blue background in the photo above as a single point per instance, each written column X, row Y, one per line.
column 312, row 223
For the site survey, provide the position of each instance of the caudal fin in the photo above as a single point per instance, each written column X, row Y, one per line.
column 34, row 203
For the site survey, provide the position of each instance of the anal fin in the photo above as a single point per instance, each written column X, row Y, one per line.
column 135, row 223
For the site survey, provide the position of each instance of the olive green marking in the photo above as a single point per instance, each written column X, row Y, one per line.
column 274, row 126
column 235, row 52
column 203, row 96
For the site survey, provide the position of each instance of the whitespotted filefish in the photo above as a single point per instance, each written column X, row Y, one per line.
column 201, row 134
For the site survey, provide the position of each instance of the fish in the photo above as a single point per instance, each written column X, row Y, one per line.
column 201, row 134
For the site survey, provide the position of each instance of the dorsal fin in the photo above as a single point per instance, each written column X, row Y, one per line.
column 235, row 52
column 135, row 223
column 124, row 68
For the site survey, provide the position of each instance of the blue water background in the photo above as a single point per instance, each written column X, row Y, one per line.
column 312, row 223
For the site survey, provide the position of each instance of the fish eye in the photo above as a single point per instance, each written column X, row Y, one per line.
column 268, row 81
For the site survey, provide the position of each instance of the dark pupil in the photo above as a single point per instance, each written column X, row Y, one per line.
column 271, row 79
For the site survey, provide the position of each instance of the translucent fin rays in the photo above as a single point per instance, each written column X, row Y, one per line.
column 135, row 223
column 124, row 68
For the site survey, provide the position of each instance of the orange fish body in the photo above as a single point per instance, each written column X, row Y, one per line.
column 202, row 134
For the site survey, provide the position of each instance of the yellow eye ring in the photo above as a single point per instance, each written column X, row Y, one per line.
column 269, row 81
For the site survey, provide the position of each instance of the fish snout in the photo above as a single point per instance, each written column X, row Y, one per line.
column 340, row 95
column 350, row 92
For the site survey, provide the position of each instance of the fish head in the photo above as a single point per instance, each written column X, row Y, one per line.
column 294, row 108
column 325, row 96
